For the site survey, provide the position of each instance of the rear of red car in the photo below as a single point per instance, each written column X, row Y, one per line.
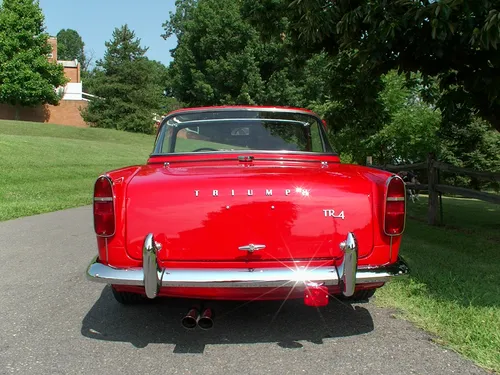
column 247, row 203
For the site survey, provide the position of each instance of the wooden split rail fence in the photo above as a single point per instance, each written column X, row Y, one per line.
column 435, row 189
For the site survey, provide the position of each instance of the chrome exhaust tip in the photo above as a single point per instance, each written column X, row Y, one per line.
column 191, row 319
column 206, row 320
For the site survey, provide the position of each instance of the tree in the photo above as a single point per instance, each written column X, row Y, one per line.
column 70, row 46
column 411, row 130
column 415, row 128
column 214, row 61
column 221, row 58
column 177, row 19
column 474, row 145
column 128, row 86
column 454, row 41
column 350, row 102
column 27, row 78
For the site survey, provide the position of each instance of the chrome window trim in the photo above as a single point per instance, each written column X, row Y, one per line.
column 160, row 133
column 247, row 151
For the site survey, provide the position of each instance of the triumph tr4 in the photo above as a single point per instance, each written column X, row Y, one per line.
column 246, row 203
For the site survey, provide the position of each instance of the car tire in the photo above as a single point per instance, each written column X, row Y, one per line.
column 127, row 298
column 360, row 295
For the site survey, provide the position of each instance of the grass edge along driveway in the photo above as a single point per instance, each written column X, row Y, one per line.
column 454, row 288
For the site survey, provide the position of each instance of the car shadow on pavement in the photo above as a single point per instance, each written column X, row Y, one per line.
column 235, row 322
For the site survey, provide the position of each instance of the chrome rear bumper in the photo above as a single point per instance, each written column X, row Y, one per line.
column 152, row 277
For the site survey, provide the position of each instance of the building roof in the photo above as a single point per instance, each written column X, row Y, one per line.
column 68, row 64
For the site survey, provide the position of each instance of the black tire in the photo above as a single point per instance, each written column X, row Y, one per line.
column 127, row 298
column 360, row 295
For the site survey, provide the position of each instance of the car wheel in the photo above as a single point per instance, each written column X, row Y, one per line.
column 127, row 298
column 360, row 295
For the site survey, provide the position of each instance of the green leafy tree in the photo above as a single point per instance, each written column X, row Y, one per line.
column 415, row 128
column 27, row 78
column 177, row 19
column 127, row 85
column 221, row 58
column 348, row 99
column 70, row 46
column 455, row 41
column 475, row 145
column 214, row 61
column 411, row 131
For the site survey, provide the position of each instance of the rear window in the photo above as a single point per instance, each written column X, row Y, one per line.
column 225, row 131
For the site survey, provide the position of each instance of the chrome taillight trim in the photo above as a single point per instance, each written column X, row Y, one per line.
column 395, row 199
column 105, row 199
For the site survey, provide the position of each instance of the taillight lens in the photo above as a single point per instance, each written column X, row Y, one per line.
column 104, row 211
column 395, row 206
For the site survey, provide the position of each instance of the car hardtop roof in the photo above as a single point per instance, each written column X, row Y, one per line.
column 242, row 107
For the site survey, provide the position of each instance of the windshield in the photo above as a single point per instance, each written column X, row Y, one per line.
column 219, row 131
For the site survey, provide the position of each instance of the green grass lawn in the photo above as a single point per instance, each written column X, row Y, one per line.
column 454, row 288
column 50, row 167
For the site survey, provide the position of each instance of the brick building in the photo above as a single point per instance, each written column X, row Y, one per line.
column 68, row 110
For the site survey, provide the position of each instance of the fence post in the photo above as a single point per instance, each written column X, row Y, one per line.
column 369, row 160
column 441, row 220
column 432, row 176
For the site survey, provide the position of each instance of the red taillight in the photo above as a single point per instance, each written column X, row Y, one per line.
column 395, row 206
column 104, row 211
column 315, row 295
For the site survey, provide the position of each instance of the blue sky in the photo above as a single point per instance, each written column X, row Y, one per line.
column 95, row 21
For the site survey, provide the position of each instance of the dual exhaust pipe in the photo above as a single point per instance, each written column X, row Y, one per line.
column 194, row 318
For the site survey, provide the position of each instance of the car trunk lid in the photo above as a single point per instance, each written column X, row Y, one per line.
column 241, row 213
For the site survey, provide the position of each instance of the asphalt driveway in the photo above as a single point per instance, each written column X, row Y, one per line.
column 54, row 321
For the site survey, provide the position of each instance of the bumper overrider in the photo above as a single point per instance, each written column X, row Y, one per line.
column 347, row 275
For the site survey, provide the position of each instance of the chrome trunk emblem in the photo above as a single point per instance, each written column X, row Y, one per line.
column 252, row 192
column 251, row 247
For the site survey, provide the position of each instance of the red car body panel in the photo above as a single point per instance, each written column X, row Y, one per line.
column 203, row 206
column 293, row 225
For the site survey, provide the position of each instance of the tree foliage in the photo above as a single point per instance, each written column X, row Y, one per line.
column 474, row 145
column 415, row 128
column 70, row 46
column 27, row 78
column 128, row 86
column 351, row 103
column 221, row 59
column 453, row 40
column 214, row 62
column 411, row 131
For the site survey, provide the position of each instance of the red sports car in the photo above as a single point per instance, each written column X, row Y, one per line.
column 246, row 203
